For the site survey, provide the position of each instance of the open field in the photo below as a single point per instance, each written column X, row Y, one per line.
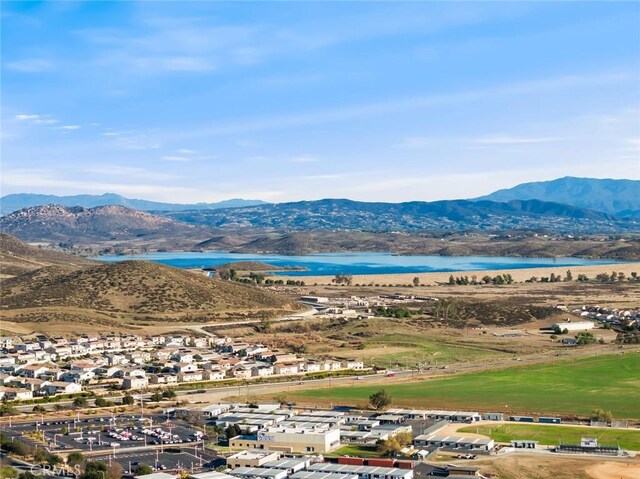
column 539, row 466
column 574, row 387
column 553, row 435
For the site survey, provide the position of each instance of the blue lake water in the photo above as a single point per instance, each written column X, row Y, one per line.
column 358, row 263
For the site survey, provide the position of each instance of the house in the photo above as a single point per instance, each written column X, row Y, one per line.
column 213, row 375
column 190, row 377
column 311, row 367
column 353, row 364
column 34, row 370
column 135, row 382
column 60, row 387
column 262, row 370
column 162, row 379
column 286, row 368
column 185, row 367
column 17, row 394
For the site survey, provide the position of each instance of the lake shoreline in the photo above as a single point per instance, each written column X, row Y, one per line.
column 442, row 277
column 366, row 264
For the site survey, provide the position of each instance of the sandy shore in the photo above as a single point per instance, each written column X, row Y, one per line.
column 518, row 275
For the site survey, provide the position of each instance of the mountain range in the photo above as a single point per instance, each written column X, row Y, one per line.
column 450, row 215
column 18, row 201
column 621, row 197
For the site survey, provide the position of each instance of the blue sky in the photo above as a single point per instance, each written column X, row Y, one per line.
column 382, row 101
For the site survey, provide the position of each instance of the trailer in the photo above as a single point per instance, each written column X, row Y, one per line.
column 521, row 418
column 549, row 420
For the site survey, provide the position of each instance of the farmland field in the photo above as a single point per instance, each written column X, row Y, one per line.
column 552, row 435
column 577, row 386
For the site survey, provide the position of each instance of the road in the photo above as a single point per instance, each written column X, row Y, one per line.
column 199, row 328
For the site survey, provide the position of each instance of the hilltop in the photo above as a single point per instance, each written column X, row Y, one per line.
column 607, row 195
column 55, row 223
column 18, row 201
column 135, row 292
column 17, row 258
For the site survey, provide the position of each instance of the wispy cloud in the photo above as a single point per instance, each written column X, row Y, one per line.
column 185, row 151
column 512, row 140
column 304, row 159
column 69, row 127
column 36, row 119
column 30, row 65
column 418, row 102
column 176, row 158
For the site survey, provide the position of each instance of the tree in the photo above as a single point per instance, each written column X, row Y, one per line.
column 75, row 459
column 142, row 469
column 102, row 402
column 114, row 470
column 128, row 400
column 94, row 470
column 80, row 401
column 232, row 430
column 404, row 438
column 416, row 281
column 380, row 400
column 169, row 394
column 156, row 396
column 39, row 408
column 601, row 415
column 389, row 447
column 8, row 472
column 569, row 276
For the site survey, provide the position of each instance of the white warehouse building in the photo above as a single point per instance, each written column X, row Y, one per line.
column 574, row 326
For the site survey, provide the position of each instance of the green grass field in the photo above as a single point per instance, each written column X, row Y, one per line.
column 576, row 386
column 553, row 435
column 356, row 451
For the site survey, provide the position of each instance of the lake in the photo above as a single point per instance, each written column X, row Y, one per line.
column 357, row 263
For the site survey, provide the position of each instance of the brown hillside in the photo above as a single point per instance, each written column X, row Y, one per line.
column 17, row 258
column 136, row 290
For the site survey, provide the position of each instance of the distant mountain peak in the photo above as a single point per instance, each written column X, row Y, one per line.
column 607, row 195
column 19, row 201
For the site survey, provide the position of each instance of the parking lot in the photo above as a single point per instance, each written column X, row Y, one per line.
column 109, row 433
column 189, row 459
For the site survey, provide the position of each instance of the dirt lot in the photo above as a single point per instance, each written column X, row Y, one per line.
column 542, row 466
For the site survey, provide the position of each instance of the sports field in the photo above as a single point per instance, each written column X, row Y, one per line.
column 576, row 386
column 552, row 435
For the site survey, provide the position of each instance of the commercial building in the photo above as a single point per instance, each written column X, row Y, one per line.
column 364, row 472
column 573, row 325
column 290, row 439
column 455, row 442
column 252, row 458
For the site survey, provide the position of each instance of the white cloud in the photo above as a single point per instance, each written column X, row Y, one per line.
column 23, row 117
column 70, row 127
column 304, row 159
column 30, row 65
column 176, row 158
column 185, row 151
column 512, row 140
column 36, row 119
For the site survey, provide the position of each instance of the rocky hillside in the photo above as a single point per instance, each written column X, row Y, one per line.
column 55, row 223
column 17, row 258
column 134, row 291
